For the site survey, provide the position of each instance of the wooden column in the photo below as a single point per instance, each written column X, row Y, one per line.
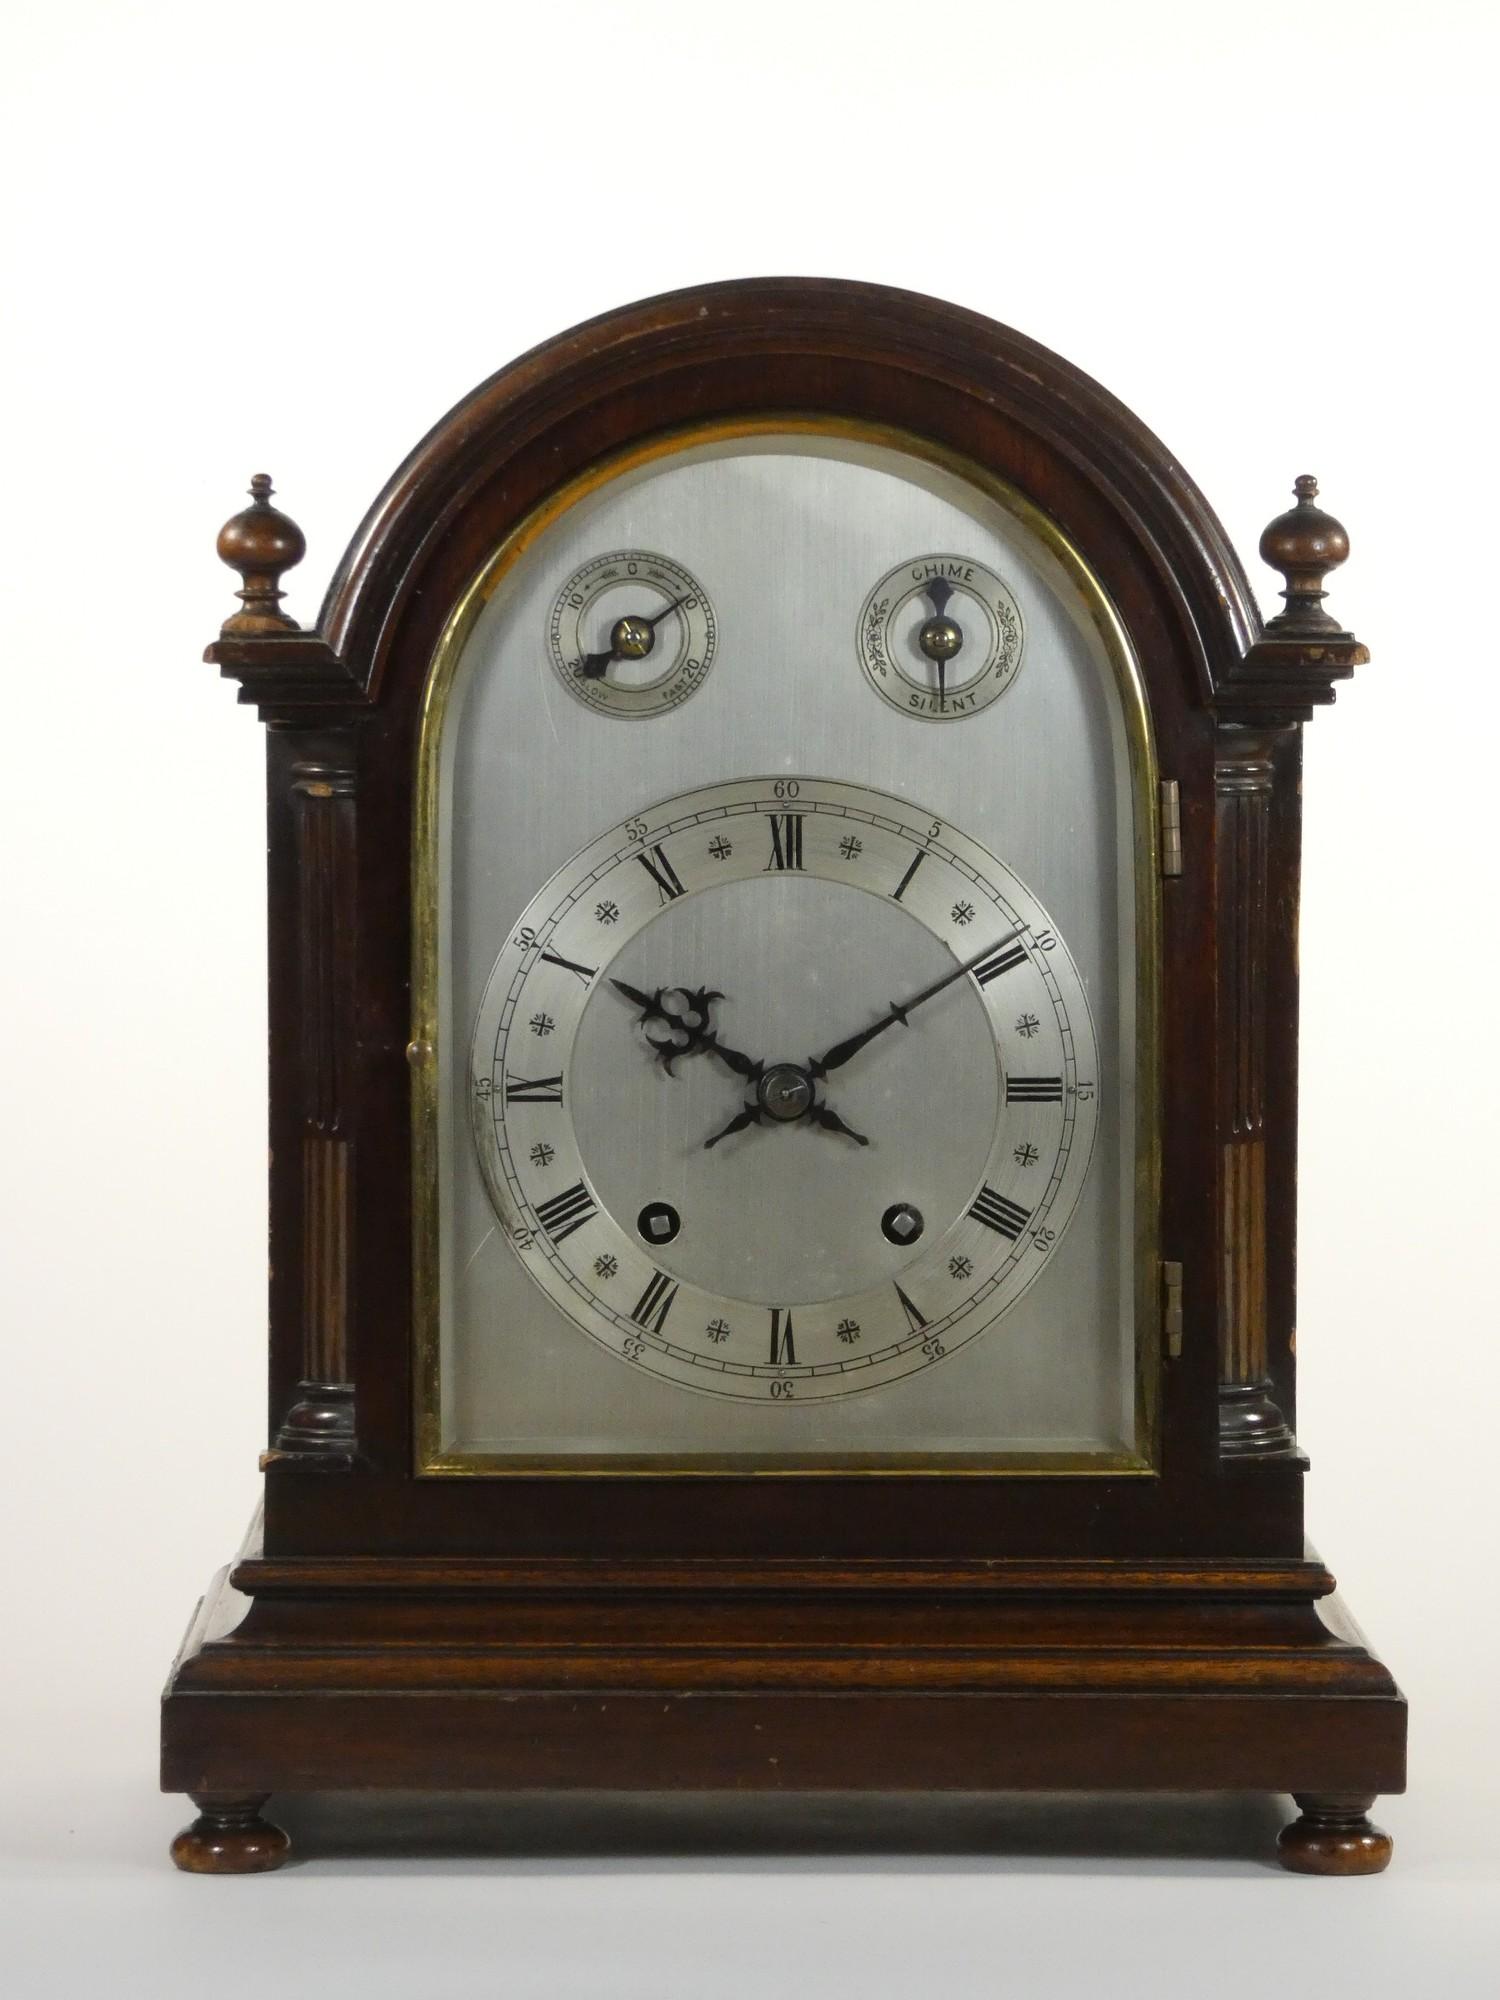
column 1244, row 778
column 320, row 1421
column 1261, row 701
column 304, row 692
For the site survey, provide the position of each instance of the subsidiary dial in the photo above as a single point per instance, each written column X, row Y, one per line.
column 632, row 634
column 940, row 637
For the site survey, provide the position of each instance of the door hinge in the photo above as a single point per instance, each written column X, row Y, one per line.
column 1171, row 828
column 1171, row 1307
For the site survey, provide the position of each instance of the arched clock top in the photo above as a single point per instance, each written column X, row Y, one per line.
column 866, row 353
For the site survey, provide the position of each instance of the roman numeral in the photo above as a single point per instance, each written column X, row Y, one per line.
column 786, row 841
column 783, row 1348
column 562, row 1213
column 663, row 874
column 1033, row 1090
column 585, row 972
column 533, row 1090
column 916, row 1319
column 1005, row 959
column 653, row 1305
column 1006, row 1218
column 916, row 861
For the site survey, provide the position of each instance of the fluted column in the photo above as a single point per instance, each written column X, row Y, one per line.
column 320, row 1421
column 1244, row 775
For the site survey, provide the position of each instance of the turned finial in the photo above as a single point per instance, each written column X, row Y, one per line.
column 1304, row 544
column 260, row 542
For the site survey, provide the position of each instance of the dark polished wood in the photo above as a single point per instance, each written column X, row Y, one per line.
column 229, row 1837
column 444, row 1674
column 320, row 1425
column 1250, row 1424
column 1293, row 664
column 1334, row 1837
column 261, row 543
column 1129, row 1632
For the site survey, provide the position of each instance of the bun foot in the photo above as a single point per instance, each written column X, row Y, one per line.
column 229, row 1837
column 1333, row 1837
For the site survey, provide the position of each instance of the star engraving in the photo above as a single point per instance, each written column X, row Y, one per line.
column 960, row 1267
column 847, row 1330
column 605, row 1266
column 542, row 1154
column 849, row 847
column 607, row 913
column 720, row 848
column 541, row 1024
column 962, row 913
column 717, row 1330
column 1027, row 1025
column 1027, row 1155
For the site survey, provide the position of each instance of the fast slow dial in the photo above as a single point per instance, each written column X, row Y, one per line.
column 632, row 634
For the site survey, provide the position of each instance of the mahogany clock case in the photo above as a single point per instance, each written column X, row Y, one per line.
column 950, row 1630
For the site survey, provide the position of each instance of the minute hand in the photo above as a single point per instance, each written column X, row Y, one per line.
column 841, row 1052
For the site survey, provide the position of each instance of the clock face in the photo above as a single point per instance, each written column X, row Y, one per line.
column 941, row 637
column 852, row 1152
column 631, row 633
column 789, row 1101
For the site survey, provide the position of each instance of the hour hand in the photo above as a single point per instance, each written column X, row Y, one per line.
column 687, row 1025
column 649, row 1003
column 742, row 1065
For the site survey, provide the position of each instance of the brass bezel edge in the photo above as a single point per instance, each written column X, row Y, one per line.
column 424, row 1048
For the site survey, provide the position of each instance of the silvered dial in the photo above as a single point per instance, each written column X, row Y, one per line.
column 940, row 637
column 784, row 1089
column 632, row 634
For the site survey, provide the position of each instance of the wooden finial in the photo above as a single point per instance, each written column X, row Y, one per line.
column 260, row 542
column 1304, row 544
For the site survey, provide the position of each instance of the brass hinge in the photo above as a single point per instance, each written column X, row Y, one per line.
column 1171, row 1307
column 1171, row 828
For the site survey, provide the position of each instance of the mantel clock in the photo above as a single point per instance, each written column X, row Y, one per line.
column 783, row 884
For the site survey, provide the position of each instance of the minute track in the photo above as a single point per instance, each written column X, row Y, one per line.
column 698, row 845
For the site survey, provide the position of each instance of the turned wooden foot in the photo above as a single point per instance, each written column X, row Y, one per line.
column 229, row 1837
column 1333, row 1837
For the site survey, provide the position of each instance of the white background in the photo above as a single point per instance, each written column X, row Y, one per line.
column 290, row 236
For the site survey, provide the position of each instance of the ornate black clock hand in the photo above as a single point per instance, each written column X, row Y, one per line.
column 815, row 1114
column 631, row 638
column 841, row 1052
column 822, row 1114
column 750, row 1115
column 688, row 1031
column 785, row 1095
column 649, row 1003
column 742, row 1065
